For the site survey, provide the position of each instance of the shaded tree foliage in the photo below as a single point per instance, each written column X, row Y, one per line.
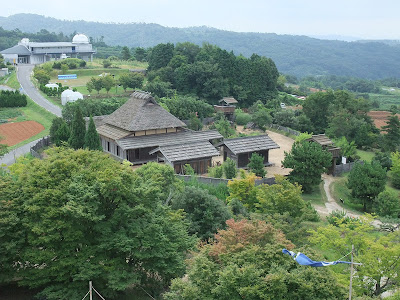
column 205, row 213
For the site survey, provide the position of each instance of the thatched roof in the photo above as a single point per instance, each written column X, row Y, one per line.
column 249, row 144
column 185, row 152
column 112, row 132
column 174, row 138
column 142, row 112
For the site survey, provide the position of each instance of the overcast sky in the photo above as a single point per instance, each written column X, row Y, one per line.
column 357, row 18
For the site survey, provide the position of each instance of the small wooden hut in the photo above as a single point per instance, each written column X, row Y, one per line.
column 241, row 149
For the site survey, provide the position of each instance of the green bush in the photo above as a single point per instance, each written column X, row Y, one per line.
column 216, row 172
column 242, row 118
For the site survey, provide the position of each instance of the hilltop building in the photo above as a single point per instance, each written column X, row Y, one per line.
column 27, row 52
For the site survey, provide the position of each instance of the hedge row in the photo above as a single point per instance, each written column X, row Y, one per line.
column 12, row 99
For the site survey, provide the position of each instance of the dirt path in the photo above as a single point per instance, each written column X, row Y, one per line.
column 331, row 204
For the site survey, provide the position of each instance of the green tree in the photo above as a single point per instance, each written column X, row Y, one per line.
column 80, row 216
column 63, row 134
column 159, row 87
column 347, row 149
column 245, row 262
column 379, row 254
column 392, row 136
column 308, row 161
column 55, row 125
column 395, row 169
column 140, row 54
column 160, row 56
column 366, row 181
column 41, row 75
column 78, row 130
column 107, row 82
column 92, row 139
column 90, row 86
column 261, row 117
column 205, row 213
column 64, row 68
column 126, row 54
column 230, row 169
column 106, row 63
column 256, row 165
column 97, row 84
column 224, row 127
column 195, row 123
column 387, row 204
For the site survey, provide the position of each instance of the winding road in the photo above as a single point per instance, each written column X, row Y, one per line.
column 23, row 74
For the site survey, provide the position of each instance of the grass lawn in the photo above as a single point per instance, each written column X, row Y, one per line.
column 10, row 80
column 317, row 196
column 366, row 155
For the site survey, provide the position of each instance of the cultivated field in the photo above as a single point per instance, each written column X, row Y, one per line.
column 14, row 133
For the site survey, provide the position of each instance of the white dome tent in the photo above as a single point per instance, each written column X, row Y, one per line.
column 70, row 96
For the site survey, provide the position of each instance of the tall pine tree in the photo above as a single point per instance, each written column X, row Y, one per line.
column 92, row 139
column 78, row 130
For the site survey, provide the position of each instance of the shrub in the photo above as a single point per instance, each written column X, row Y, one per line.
column 229, row 167
column 216, row 172
column 241, row 117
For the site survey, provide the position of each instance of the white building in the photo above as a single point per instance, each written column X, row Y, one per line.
column 27, row 52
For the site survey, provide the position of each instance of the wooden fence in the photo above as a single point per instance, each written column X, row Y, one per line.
column 342, row 168
column 44, row 142
column 285, row 129
column 217, row 181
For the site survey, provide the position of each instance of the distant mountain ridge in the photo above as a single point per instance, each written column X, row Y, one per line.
column 295, row 55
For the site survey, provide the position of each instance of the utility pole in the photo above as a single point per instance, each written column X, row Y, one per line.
column 351, row 271
column 90, row 291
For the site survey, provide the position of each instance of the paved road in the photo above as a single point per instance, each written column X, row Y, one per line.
column 10, row 157
column 23, row 74
column 6, row 88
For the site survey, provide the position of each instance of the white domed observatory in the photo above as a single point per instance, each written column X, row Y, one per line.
column 27, row 52
column 80, row 39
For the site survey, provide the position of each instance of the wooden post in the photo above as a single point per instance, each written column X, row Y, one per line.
column 351, row 271
column 90, row 291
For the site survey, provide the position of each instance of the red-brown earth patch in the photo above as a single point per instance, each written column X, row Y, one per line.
column 14, row 133
column 380, row 118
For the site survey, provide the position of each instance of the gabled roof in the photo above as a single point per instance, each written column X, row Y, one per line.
column 186, row 152
column 165, row 139
column 228, row 100
column 112, row 132
column 142, row 112
column 249, row 144
column 51, row 44
column 19, row 49
column 321, row 139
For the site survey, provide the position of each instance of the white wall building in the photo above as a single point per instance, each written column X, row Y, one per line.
column 27, row 52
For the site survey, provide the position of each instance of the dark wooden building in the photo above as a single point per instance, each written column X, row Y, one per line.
column 227, row 106
column 141, row 126
column 329, row 146
column 241, row 149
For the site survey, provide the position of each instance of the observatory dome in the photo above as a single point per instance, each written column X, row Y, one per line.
column 80, row 39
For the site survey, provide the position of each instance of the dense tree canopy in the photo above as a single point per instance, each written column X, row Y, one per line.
column 78, row 216
column 246, row 262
